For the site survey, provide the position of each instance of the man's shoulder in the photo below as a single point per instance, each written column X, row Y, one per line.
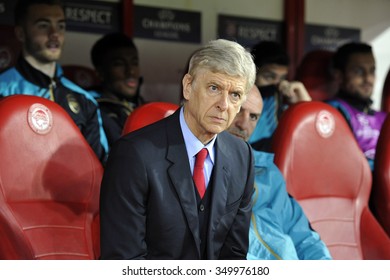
column 8, row 74
column 12, row 82
column 77, row 89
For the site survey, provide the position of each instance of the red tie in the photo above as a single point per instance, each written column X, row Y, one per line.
column 198, row 172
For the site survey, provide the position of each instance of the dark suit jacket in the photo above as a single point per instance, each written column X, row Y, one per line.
column 148, row 202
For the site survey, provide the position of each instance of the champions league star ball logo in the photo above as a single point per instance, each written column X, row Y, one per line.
column 40, row 118
column 325, row 124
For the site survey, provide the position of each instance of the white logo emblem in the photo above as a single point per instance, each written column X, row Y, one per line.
column 325, row 124
column 40, row 118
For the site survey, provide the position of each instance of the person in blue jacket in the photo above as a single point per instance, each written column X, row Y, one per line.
column 279, row 228
column 272, row 62
column 40, row 27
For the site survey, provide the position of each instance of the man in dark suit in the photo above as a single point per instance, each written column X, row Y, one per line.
column 151, row 207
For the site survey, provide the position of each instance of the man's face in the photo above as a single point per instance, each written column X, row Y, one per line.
column 121, row 72
column 359, row 75
column 246, row 120
column 42, row 33
column 212, row 102
column 271, row 74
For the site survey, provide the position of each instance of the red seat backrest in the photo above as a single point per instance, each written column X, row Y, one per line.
column 327, row 173
column 82, row 76
column 314, row 72
column 9, row 47
column 380, row 196
column 147, row 114
column 49, row 183
column 385, row 103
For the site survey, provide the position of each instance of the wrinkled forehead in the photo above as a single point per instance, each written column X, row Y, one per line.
column 224, row 80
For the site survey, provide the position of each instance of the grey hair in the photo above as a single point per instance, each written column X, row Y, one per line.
column 224, row 56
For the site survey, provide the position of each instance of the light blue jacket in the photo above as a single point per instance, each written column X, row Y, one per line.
column 279, row 228
column 13, row 82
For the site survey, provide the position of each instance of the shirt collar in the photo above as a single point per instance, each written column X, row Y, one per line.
column 193, row 145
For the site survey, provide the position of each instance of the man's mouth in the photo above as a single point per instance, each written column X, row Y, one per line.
column 133, row 83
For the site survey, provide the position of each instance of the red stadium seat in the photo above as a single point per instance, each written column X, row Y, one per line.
column 327, row 173
column 380, row 195
column 386, row 94
column 148, row 114
column 82, row 76
column 9, row 47
column 49, row 183
column 314, row 72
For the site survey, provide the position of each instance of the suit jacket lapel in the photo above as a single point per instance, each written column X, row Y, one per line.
column 180, row 175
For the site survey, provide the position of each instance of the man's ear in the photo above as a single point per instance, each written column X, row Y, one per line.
column 19, row 33
column 187, row 86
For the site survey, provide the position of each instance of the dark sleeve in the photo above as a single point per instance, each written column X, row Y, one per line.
column 123, row 204
column 112, row 128
column 93, row 131
column 236, row 242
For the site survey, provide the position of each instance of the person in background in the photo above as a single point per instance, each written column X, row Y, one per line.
column 354, row 72
column 40, row 27
column 116, row 61
column 279, row 228
column 272, row 64
column 181, row 188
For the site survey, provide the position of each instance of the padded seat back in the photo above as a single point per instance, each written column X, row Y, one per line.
column 82, row 76
column 9, row 47
column 147, row 114
column 327, row 173
column 314, row 72
column 385, row 103
column 49, row 183
column 380, row 196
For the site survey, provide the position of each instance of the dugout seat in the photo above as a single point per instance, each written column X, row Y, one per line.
column 147, row 114
column 380, row 194
column 314, row 72
column 9, row 47
column 83, row 76
column 326, row 171
column 49, row 183
column 385, row 102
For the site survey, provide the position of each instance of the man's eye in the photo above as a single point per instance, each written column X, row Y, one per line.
column 62, row 26
column 358, row 71
column 254, row 117
column 117, row 63
column 214, row 88
column 43, row 25
column 235, row 96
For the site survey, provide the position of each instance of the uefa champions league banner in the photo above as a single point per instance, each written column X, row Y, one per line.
column 328, row 37
column 167, row 24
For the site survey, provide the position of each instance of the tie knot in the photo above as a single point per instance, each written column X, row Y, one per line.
column 200, row 157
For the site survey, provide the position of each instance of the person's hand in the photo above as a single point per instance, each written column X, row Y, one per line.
column 294, row 91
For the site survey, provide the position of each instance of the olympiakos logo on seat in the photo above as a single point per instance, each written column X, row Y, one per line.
column 325, row 124
column 40, row 118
